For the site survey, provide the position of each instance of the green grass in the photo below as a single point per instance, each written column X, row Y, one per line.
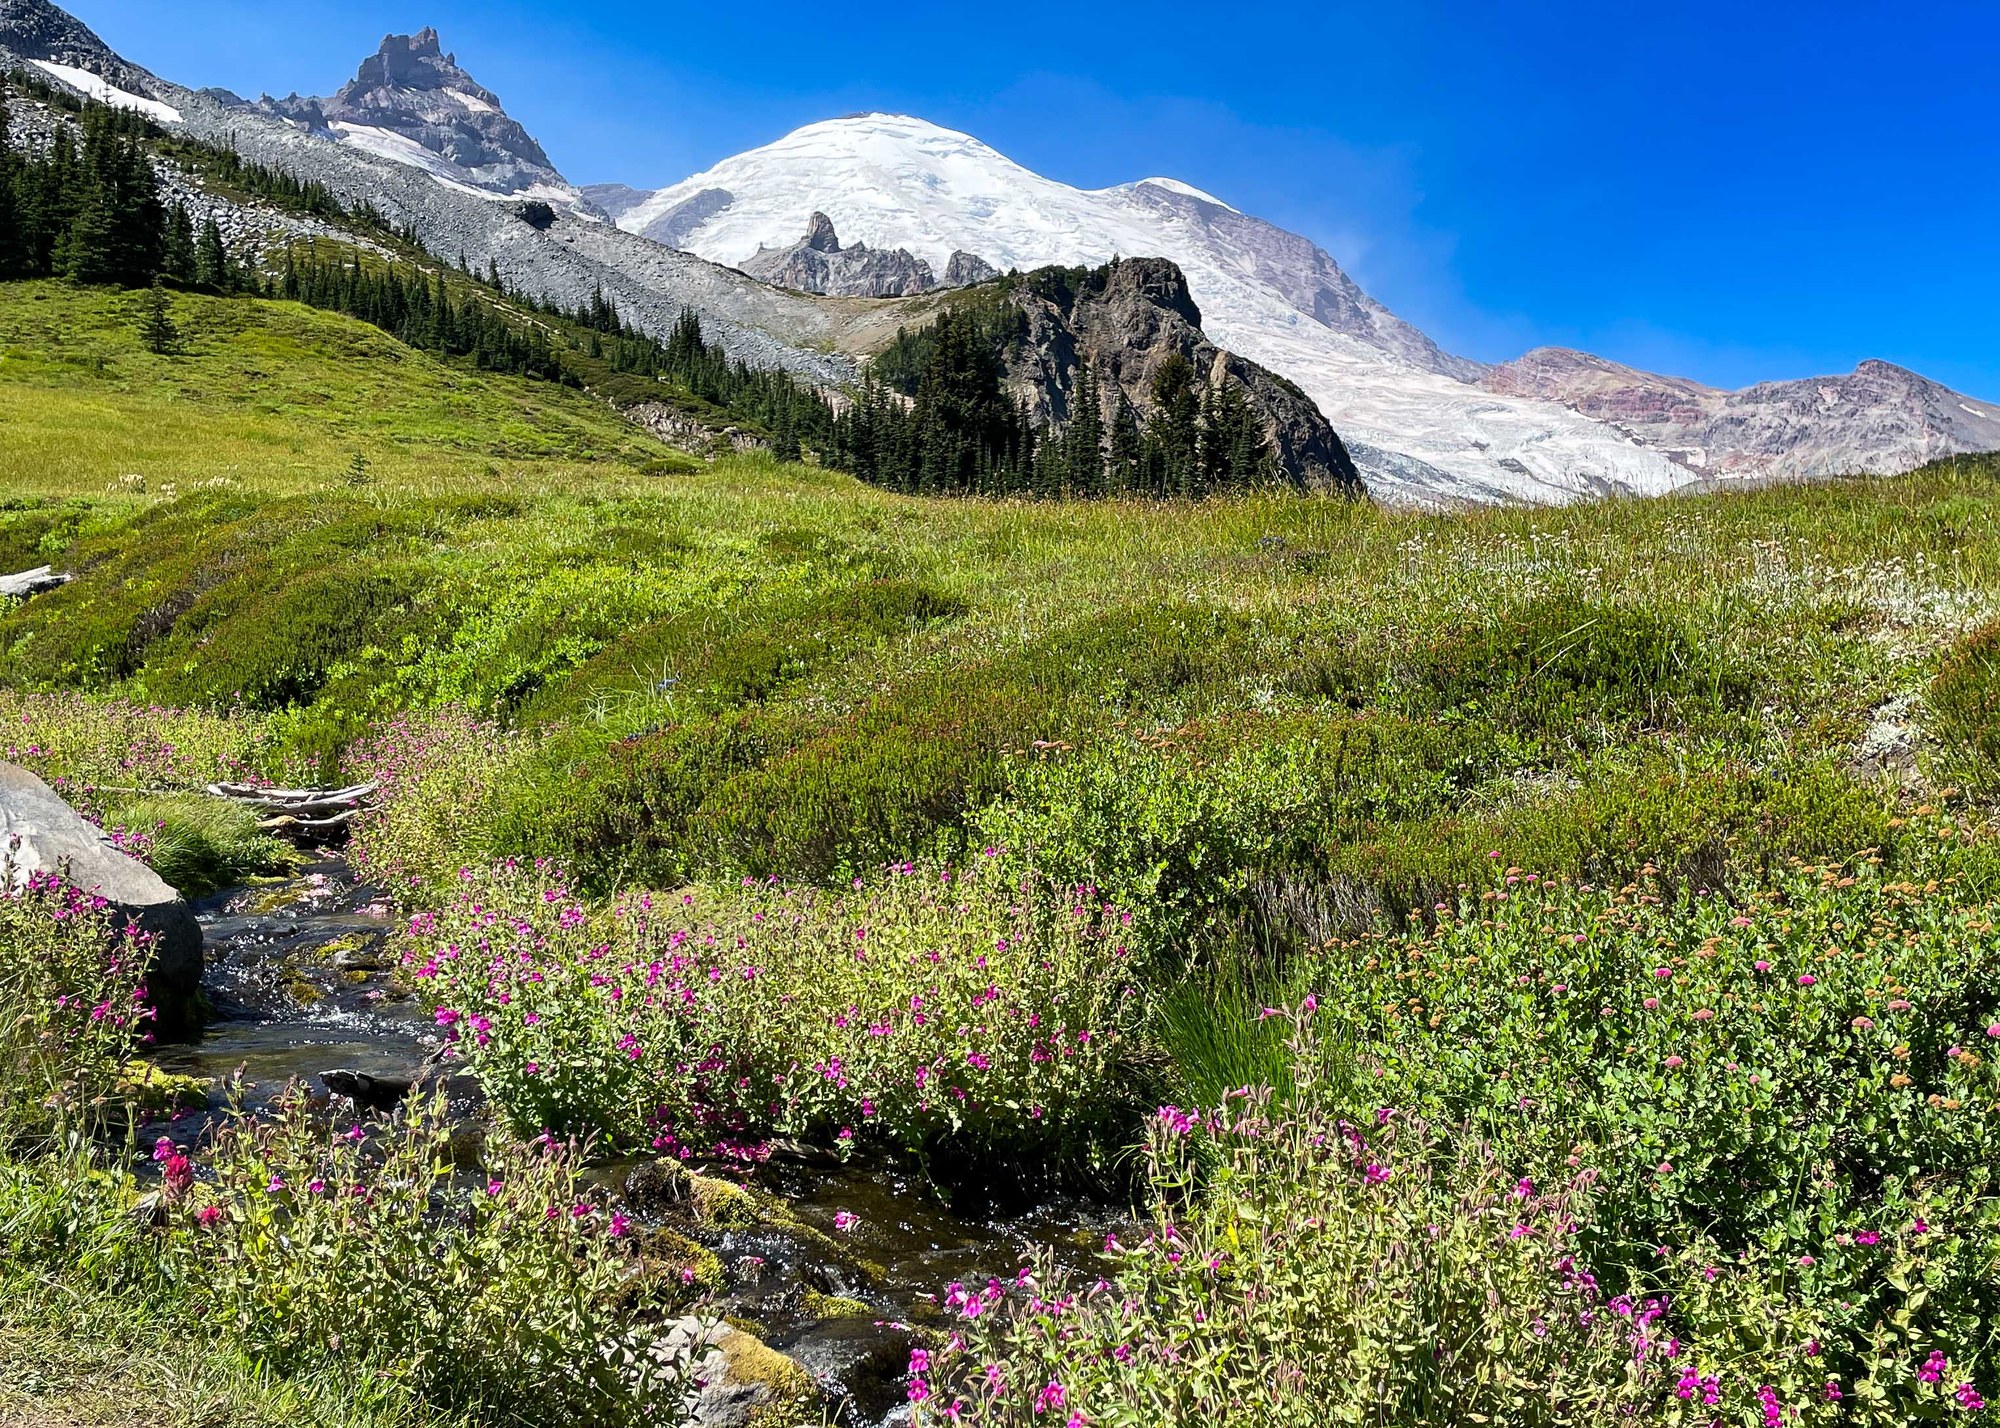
column 754, row 667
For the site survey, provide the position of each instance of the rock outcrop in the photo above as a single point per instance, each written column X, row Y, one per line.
column 818, row 264
column 964, row 269
column 39, row 833
column 411, row 90
column 1125, row 321
column 1877, row 420
column 37, row 30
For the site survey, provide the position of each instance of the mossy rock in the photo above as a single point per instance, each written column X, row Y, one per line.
column 155, row 1092
column 670, row 1272
column 781, row 1393
column 722, row 1204
column 834, row 1306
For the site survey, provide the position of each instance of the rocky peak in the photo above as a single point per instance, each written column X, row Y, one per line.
column 818, row 264
column 38, row 30
column 1124, row 322
column 411, row 89
column 965, row 269
column 412, row 62
column 820, row 236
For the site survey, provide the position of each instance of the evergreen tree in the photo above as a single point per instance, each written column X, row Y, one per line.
column 179, row 259
column 1174, row 440
column 11, row 255
column 1084, row 442
column 1125, row 467
column 156, row 326
column 211, row 259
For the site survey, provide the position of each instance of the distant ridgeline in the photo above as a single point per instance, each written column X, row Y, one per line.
column 942, row 411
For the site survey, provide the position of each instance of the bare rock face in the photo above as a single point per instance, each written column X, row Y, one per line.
column 37, row 30
column 968, row 269
column 1124, row 321
column 411, row 89
column 43, row 834
column 818, row 264
column 1878, row 420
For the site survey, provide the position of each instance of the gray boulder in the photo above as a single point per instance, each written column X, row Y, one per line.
column 39, row 833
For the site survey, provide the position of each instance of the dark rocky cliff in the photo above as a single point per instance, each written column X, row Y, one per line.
column 1125, row 321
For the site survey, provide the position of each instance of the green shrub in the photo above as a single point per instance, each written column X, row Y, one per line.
column 1806, row 1077
column 1965, row 709
column 71, row 1003
column 1709, row 825
column 1560, row 661
column 489, row 1294
column 1299, row 1265
column 930, row 1009
column 1184, row 825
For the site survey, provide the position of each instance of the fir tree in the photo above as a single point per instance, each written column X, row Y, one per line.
column 212, row 268
column 11, row 255
column 156, row 326
column 179, row 260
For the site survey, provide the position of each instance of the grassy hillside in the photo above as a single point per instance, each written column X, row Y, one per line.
column 779, row 670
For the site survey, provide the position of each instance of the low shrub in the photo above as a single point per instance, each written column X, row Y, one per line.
column 436, row 774
column 1561, row 664
column 72, row 1002
column 93, row 749
column 1299, row 1265
column 1184, row 825
column 488, row 1293
column 1806, row 1076
column 926, row 1009
column 1964, row 705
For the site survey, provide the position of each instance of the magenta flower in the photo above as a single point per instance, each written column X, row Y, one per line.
column 844, row 1220
column 1807, row 979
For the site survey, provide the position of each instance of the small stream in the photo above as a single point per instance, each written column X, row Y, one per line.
column 299, row 973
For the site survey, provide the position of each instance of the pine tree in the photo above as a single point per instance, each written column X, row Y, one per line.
column 156, row 327
column 12, row 257
column 179, row 259
column 212, row 268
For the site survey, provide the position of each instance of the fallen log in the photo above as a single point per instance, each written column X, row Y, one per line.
column 300, row 813
column 33, row 582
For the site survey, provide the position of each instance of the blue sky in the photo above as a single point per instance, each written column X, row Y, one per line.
column 1733, row 192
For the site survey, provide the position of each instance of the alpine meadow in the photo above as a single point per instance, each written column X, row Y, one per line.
column 613, row 817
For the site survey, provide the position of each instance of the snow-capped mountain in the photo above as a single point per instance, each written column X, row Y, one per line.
column 1416, row 427
column 411, row 103
column 1424, row 426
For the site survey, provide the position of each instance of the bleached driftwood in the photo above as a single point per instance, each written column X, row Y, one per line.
column 300, row 812
column 33, row 582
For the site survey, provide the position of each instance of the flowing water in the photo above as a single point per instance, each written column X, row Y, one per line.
column 300, row 977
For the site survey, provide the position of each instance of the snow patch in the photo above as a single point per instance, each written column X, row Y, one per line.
column 401, row 149
column 472, row 102
column 105, row 92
